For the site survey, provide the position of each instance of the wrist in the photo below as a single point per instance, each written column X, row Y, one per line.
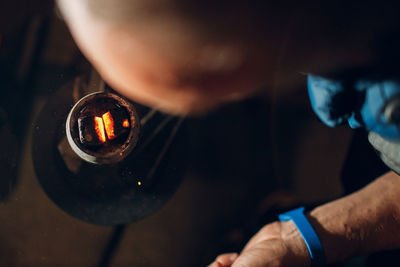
column 338, row 233
column 363, row 222
column 294, row 242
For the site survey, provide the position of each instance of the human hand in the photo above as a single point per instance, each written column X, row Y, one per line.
column 277, row 244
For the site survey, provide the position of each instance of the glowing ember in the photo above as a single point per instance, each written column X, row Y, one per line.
column 106, row 127
column 125, row 123
column 99, row 127
column 109, row 125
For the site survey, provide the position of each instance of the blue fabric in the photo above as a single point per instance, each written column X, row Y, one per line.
column 314, row 246
column 360, row 104
column 322, row 94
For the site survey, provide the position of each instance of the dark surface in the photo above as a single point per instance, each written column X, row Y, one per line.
column 238, row 159
column 107, row 194
column 8, row 159
column 362, row 164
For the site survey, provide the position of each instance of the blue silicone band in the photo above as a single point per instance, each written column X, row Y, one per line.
column 311, row 239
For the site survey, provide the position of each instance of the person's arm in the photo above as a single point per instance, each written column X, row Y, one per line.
column 363, row 222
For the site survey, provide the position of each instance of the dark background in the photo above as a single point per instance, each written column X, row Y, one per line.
column 246, row 161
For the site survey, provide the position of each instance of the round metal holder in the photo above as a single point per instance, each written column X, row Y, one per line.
column 100, row 103
column 116, row 189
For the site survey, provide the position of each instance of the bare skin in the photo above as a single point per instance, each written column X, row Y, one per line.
column 276, row 244
column 164, row 58
column 363, row 222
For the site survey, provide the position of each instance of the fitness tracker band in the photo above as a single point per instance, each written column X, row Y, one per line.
column 311, row 239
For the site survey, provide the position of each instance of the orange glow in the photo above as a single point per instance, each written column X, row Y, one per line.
column 125, row 123
column 109, row 124
column 99, row 127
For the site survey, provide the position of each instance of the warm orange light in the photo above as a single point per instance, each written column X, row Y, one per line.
column 109, row 125
column 125, row 123
column 99, row 127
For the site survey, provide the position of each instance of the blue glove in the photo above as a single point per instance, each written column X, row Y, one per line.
column 360, row 104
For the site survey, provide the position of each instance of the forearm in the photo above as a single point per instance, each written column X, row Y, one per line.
column 363, row 222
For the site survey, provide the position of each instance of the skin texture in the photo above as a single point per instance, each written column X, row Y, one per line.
column 363, row 222
column 184, row 58
column 183, row 62
column 185, row 74
column 276, row 244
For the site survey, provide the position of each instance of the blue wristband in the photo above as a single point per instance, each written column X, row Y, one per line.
column 311, row 239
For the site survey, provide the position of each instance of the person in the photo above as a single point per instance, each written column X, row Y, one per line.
column 187, row 57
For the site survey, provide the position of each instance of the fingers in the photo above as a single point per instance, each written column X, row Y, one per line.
column 215, row 264
column 224, row 260
column 227, row 259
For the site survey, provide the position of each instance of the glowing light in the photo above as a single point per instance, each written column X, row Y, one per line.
column 109, row 125
column 139, row 183
column 99, row 127
column 125, row 123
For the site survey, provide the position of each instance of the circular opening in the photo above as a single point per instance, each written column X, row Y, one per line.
column 102, row 128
